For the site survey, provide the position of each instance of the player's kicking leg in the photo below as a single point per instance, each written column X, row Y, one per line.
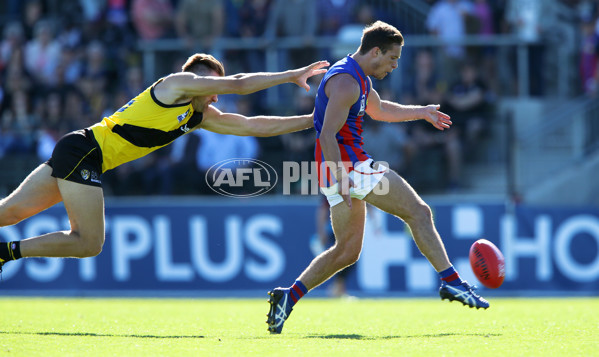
column 402, row 201
column 348, row 226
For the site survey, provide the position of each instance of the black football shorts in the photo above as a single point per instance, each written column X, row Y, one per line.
column 77, row 158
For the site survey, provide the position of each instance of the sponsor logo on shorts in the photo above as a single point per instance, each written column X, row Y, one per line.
column 95, row 177
column 90, row 175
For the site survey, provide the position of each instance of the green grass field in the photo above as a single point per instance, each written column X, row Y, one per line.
column 317, row 327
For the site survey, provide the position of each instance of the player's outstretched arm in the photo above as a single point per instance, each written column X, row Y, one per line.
column 186, row 85
column 385, row 110
column 236, row 124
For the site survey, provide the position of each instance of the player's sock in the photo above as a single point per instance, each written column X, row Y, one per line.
column 297, row 291
column 10, row 251
column 451, row 276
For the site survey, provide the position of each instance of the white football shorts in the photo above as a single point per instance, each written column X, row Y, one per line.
column 366, row 175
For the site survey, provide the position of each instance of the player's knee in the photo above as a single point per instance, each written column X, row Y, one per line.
column 350, row 254
column 92, row 244
column 419, row 214
column 9, row 215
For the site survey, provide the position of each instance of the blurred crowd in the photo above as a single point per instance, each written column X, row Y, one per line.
column 64, row 65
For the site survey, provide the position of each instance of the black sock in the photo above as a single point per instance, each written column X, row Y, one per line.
column 10, row 251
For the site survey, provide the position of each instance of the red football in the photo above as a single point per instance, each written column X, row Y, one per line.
column 487, row 263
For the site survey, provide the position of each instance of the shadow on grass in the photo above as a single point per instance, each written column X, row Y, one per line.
column 92, row 334
column 362, row 337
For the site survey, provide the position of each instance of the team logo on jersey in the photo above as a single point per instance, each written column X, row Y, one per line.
column 182, row 116
column 85, row 174
column 362, row 105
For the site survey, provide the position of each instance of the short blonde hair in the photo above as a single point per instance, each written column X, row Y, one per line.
column 201, row 63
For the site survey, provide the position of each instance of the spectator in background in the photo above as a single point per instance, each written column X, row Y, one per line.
column 233, row 56
column 346, row 37
column 70, row 66
column 42, row 54
column 132, row 85
column 71, row 34
column 119, row 32
column 426, row 85
column 333, row 15
column 389, row 143
column 446, row 20
column 439, row 150
column 526, row 19
column 200, row 23
column 116, row 13
column 34, row 11
column 53, row 124
column 17, row 76
column 93, row 81
column 467, row 101
column 483, row 13
column 13, row 38
column 299, row 146
column 253, row 17
column 294, row 18
column 17, row 134
column 152, row 19
column 365, row 14
column 76, row 111
column 181, row 168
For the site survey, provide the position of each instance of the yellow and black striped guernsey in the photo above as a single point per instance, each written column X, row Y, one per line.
column 142, row 126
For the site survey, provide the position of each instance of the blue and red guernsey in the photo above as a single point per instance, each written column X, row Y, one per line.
column 349, row 137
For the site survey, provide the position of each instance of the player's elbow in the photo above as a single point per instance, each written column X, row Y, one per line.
column 327, row 138
column 380, row 115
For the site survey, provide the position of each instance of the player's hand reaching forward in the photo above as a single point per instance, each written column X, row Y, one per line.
column 301, row 75
column 438, row 119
